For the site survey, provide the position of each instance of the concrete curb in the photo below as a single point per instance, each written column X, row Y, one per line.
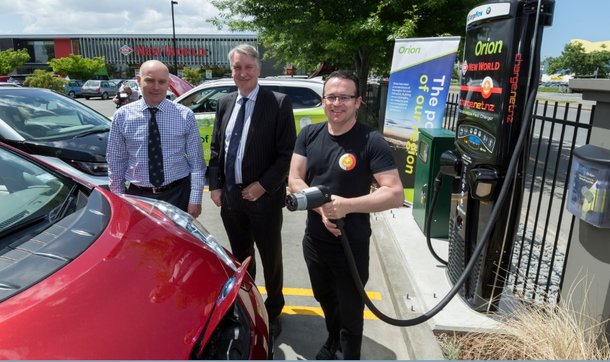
column 420, row 340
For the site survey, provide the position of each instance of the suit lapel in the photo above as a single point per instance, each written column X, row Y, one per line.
column 226, row 117
column 255, row 121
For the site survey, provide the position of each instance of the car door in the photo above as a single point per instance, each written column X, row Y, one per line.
column 203, row 102
column 306, row 103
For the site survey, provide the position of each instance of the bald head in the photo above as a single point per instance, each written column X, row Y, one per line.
column 153, row 65
column 153, row 80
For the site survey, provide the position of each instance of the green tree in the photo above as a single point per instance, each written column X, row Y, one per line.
column 77, row 67
column 11, row 59
column 45, row 79
column 356, row 35
column 192, row 75
column 574, row 59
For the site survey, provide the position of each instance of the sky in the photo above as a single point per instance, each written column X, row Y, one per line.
column 573, row 19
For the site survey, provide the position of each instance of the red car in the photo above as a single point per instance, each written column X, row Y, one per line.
column 87, row 274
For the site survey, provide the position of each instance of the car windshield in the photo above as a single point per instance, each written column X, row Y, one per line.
column 28, row 194
column 43, row 115
column 207, row 99
column 132, row 84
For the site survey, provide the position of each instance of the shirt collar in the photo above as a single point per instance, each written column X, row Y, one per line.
column 161, row 106
column 251, row 96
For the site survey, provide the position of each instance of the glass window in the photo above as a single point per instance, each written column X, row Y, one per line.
column 206, row 100
column 27, row 192
column 36, row 114
column 302, row 97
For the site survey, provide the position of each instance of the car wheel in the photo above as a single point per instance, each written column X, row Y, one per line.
column 87, row 98
column 71, row 94
column 104, row 96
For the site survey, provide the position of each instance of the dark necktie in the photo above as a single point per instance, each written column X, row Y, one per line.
column 234, row 145
column 155, row 154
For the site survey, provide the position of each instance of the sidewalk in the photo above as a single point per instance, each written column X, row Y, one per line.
column 420, row 282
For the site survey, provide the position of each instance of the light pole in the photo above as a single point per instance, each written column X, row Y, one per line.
column 174, row 39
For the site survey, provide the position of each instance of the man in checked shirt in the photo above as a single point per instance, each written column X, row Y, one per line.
column 136, row 166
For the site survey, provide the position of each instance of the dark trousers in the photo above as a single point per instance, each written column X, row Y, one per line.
column 248, row 223
column 177, row 194
column 335, row 290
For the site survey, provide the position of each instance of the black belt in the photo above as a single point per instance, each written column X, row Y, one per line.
column 156, row 190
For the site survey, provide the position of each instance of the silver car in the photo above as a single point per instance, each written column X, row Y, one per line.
column 133, row 84
column 98, row 88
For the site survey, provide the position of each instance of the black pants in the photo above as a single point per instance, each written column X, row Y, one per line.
column 260, row 222
column 178, row 194
column 334, row 287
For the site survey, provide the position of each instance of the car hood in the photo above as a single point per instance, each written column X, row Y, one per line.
column 87, row 148
column 144, row 289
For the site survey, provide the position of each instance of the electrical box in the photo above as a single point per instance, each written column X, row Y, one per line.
column 432, row 143
column 589, row 185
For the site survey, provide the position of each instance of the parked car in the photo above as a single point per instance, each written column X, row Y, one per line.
column 18, row 78
column 87, row 274
column 133, row 84
column 305, row 95
column 56, row 129
column 73, row 88
column 98, row 88
column 6, row 84
column 117, row 82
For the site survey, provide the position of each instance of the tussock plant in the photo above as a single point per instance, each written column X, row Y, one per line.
column 535, row 332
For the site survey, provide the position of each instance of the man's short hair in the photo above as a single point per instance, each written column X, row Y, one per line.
column 245, row 49
column 344, row 74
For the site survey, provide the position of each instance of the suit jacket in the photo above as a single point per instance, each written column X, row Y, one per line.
column 269, row 143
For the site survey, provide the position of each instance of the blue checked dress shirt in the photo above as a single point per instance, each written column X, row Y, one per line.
column 127, row 153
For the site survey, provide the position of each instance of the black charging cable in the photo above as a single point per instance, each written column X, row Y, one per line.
column 438, row 181
column 495, row 212
column 298, row 201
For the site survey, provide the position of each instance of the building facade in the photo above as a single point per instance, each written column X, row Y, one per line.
column 125, row 53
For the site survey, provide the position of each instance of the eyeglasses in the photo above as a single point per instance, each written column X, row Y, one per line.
column 342, row 98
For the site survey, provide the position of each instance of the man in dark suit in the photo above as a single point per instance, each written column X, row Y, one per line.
column 252, row 143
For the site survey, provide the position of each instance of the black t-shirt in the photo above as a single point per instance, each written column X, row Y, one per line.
column 346, row 164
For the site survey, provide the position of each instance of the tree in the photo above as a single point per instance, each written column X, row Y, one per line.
column 192, row 75
column 77, row 67
column 11, row 59
column 574, row 59
column 45, row 79
column 351, row 34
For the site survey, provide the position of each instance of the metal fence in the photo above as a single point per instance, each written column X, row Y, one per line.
column 545, row 230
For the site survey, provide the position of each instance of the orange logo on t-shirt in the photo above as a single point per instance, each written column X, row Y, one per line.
column 347, row 162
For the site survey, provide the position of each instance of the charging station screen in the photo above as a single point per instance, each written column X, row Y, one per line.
column 485, row 75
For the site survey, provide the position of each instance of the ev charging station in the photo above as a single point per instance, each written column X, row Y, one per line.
column 498, row 88
column 498, row 76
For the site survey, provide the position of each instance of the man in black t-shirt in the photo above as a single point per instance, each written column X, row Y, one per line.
column 347, row 157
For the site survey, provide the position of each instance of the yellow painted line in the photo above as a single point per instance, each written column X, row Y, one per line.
column 303, row 292
column 317, row 311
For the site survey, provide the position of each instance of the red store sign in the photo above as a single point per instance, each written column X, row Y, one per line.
column 169, row 51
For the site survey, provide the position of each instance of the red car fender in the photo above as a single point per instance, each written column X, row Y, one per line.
column 223, row 306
